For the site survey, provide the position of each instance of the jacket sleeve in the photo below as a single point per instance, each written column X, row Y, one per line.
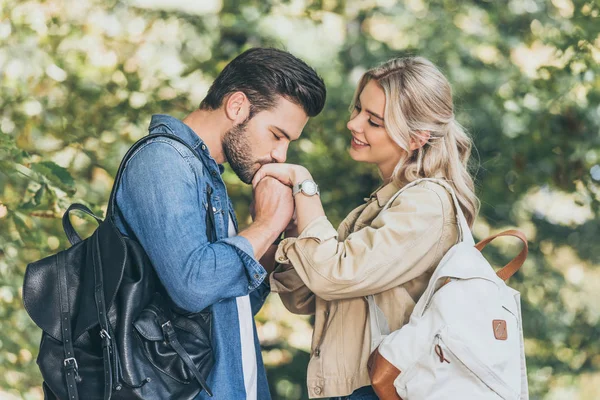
column 160, row 200
column 294, row 293
column 373, row 259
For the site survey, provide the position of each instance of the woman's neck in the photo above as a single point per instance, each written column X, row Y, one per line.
column 386, row 171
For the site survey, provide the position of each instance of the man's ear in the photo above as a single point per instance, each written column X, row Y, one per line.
column 419, row 140
column 237, row 107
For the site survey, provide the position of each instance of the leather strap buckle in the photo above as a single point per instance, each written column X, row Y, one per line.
column 104, row 334
column 167, row 329
column 71, row 362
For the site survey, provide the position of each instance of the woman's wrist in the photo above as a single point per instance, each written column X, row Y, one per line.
column 299, row 175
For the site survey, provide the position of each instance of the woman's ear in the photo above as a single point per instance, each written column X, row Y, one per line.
column 237, row 107
column 419, row 140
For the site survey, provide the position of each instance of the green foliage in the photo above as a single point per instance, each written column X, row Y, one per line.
column 79, row 81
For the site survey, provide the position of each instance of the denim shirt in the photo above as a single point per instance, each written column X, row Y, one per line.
column 162, row 202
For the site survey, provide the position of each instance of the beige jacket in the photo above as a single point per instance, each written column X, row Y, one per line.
column 390, row 254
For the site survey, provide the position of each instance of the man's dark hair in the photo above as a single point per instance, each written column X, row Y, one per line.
column 263, row 74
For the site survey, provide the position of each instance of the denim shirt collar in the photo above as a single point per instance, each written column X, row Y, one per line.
column 183, row 131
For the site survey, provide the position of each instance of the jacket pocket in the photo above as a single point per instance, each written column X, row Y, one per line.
column 452, row 370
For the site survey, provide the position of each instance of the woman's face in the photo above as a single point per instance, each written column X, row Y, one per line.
column 370, row 141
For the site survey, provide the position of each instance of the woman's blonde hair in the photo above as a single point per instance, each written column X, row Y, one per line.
column 419, row 99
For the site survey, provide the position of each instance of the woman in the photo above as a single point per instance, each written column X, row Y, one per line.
column 402, row 121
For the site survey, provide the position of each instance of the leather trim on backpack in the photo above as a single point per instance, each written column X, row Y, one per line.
column 383, row 374
column 512, row 267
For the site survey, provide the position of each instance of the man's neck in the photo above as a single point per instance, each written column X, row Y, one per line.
column 210, row 126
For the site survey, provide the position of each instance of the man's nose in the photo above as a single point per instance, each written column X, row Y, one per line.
column 279, row 153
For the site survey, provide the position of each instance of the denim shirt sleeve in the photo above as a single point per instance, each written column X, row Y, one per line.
column 258, row 296
column 161, row 203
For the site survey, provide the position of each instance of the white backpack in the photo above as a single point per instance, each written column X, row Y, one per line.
column 464, row 339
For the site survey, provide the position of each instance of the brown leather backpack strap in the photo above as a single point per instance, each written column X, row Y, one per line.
column 512, row 267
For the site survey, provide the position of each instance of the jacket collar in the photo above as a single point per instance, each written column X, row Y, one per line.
column 183, row 131
column 177, row 128
column 384, row 193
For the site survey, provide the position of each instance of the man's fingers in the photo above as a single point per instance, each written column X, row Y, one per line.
column 277, row 171
column 263, row 172
column 257, row 178
column 260, row 179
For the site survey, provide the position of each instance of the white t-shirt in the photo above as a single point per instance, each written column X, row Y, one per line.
column 245, row 319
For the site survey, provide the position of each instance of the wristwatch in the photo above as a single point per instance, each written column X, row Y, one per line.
column 307, row 187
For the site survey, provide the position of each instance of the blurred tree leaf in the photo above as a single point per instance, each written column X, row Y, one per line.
column 56, row 174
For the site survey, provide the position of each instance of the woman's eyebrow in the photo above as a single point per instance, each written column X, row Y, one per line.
column 374, row 114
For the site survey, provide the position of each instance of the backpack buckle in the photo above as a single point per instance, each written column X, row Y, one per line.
column 104, row 334
column 71, row 361
column 168, row 331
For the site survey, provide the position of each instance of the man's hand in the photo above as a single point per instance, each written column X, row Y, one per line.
column 308, row 208
column 271, row 210
column 273, row 205
column 252, row 210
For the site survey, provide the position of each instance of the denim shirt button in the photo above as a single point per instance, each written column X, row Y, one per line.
column 256, row 276
column 214, row 209
column 203, row 147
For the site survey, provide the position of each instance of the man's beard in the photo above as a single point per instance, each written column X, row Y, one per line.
column 238, row 152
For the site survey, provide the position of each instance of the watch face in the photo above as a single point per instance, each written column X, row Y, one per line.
column 309, row 188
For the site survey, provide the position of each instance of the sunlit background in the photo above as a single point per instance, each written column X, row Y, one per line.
column 79, row 80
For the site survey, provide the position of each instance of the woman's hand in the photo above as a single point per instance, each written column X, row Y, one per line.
column 308, row 208
column 288, row 174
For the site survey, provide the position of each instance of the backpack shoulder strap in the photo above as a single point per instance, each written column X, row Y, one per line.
column 127, row 156
column 464, row 232
column 72, row 234
column 377, row 321
column 70, row 366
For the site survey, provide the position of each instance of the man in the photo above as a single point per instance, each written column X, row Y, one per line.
column 259, row 103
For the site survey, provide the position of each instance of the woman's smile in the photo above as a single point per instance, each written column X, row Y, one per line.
column 357, row 144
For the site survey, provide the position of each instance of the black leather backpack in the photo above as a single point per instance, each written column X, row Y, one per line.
column 109, row 328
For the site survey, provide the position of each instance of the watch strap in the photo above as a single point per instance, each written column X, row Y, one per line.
column 297, row 188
